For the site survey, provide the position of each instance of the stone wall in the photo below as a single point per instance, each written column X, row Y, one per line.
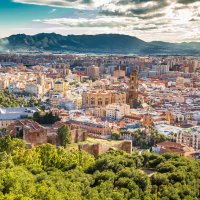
column 77, row 135
column 98, row 149
column 125, row 146
column 35, row 138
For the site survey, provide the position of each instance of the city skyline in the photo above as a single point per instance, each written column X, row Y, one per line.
column 149, row 20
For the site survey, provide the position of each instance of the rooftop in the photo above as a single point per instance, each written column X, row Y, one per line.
column 16, row 113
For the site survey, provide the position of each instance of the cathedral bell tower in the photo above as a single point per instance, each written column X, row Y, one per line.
column 132, row 96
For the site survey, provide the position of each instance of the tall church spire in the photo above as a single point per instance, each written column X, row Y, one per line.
column 132, row 97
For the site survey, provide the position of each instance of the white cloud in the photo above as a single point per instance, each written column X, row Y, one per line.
column 3, row 43
column 52, row 11
column 83, row 22
column 78, row 4
column 150, row 20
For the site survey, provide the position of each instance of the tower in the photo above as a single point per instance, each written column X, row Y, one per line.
column 132, row 97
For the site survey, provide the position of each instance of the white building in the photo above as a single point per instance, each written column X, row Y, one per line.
column 34, row 89
column 189, row 137
column 161, row 68
column 117, row 111
column 9, row 115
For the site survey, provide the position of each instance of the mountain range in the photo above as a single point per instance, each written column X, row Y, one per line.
column 102, row 43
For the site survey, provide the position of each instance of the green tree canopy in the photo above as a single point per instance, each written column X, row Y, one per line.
column 64, row 135
column 47, row 172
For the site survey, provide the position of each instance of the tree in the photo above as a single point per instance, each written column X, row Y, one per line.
column 7, row 99
column 64, row 135
column 45, row 118
column 3, row 132
column 157, row 138
column 115, row 136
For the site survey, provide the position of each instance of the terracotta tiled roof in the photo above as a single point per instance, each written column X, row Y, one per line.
column 132, row 117
column 174, row 147
column 31, row 125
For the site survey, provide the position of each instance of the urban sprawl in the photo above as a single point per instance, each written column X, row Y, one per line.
column 131, row 103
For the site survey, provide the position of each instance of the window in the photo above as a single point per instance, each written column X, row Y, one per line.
column 100, row 102
column 107, row 101
column 92, row 101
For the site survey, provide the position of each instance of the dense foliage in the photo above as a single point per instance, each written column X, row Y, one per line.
column 49, row 173
column 45, row 118
column 64, row 135
column 142, row 140
column 7, row 99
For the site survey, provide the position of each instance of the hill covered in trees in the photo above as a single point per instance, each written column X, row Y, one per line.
column 102, row 43
column 48, row 173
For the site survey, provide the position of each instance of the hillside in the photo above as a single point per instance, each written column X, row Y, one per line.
column 103, row 43
column 46, row 173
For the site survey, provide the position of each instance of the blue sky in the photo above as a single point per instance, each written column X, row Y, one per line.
column 167, row 20
column 19, row 18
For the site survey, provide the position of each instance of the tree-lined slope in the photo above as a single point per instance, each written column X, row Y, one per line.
column 48, row 173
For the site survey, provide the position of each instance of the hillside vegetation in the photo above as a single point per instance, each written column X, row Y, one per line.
column 49, row 173
column 102, row 43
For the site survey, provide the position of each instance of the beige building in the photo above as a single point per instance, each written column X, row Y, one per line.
column 34, row 89
column 180, row 82
column 5, row 123
column 97, row 112
column 78, row 102
column 61, row 86
column 4, row 83
column 192, row 139
column 117, row 111
column 48, row 85
column 119, row 73
column 92, row 71
column 102, row 98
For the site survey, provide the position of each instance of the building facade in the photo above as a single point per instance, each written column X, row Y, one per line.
column 117, row 111
column 92, row 71
column 102, row 98
column 192, row 138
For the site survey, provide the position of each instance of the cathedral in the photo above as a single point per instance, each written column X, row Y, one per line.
column 132, row 95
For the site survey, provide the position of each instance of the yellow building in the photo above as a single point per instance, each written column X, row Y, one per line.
column 180, row 82
column 4, row 83
column 61, row 86
column 78, row 102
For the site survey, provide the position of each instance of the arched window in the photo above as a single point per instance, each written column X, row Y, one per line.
column 100, row 101
column 92, row 101
column 107, row 101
